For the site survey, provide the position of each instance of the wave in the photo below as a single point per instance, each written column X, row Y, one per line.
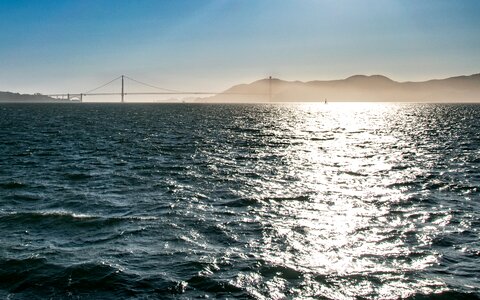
column 26, row 197
column 218, row 287
column 446, row 295
column 39, row 278
column 12, row 185
column 60, row 217
column 243, row 202
column 297, row 198
column 77, row 176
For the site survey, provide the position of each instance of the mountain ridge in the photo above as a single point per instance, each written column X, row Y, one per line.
column 464, row 88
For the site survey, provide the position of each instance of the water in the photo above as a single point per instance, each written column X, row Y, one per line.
column 336, row 201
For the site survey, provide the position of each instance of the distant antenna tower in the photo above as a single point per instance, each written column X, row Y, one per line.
column 270, row 88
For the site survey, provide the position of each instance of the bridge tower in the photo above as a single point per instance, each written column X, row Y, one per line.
column 123, row 90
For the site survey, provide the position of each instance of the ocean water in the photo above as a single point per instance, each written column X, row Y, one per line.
column 259, row 201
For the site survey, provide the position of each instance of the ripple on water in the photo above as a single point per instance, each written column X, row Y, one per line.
column 338, row 201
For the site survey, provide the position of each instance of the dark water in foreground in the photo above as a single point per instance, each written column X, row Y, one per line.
column 337, row 201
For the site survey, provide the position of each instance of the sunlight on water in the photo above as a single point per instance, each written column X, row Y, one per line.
column 252, row 201
column 331, row 216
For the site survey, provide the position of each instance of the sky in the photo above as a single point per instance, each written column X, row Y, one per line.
column 57, row 46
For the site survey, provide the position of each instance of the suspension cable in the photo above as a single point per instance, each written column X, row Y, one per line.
column 103, row 85
column 152, row 86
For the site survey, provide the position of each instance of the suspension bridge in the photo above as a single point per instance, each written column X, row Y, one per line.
column 80, row 97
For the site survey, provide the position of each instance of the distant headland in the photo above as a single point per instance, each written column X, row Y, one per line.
column 16, row 97
column 356, row 88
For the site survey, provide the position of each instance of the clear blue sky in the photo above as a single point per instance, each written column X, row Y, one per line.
column 74, row 45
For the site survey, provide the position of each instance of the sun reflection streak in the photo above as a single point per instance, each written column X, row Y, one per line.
column 344, row 231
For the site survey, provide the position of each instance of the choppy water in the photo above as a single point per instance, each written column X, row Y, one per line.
column 332, row 201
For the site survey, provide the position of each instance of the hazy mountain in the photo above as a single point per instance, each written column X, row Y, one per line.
column 356, row 88
column 15, row 97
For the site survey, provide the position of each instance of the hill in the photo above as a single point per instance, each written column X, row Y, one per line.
column 15, row 97
column 356, row 88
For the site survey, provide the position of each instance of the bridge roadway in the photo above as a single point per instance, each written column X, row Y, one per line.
column 164, row 91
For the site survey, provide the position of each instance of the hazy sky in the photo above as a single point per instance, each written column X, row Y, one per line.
column 73, row 46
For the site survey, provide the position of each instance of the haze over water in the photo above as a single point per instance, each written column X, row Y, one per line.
column 258, row 201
